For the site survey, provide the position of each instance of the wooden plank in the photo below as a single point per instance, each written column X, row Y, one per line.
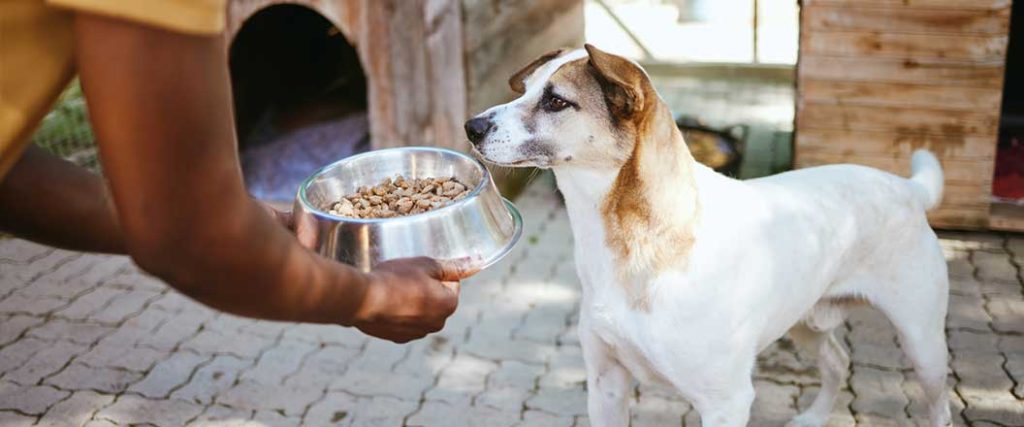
column 1006, row 217
column 959, row 218
column 907, row 20
column 957, row 172
column 891, row 70
column 897, row 120
column 412, row 56
column 900, row 95
column 916, row 4
column 870, row 44
column 882, row 144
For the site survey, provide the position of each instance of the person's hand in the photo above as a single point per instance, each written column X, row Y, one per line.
column 281, row 217
column 409, row 298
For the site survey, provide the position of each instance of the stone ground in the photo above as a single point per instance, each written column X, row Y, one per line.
column 89, row 340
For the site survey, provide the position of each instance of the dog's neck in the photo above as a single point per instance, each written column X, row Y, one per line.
column 648, row 208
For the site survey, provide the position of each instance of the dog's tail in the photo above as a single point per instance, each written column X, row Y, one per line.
column 926, row 173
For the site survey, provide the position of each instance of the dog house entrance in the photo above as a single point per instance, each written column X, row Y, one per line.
column 300, row 98
column 1008, row 182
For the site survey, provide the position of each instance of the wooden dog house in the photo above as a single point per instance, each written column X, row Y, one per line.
column 879, row 78
column 427, row 64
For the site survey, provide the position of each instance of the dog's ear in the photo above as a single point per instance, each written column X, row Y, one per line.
column 518, row 80
column 621, row 81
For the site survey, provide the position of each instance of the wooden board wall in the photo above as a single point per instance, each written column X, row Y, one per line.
column 879, row 78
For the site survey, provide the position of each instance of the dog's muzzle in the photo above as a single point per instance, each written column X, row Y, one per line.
column 477, row 128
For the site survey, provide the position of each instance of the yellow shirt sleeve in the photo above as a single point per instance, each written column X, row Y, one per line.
column 201, row 17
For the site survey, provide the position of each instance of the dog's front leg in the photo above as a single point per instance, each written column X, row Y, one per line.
column 608, row 383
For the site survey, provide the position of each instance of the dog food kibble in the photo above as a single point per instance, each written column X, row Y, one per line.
column 400, row 197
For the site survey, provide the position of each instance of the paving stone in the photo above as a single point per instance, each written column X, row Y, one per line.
column 565, row 370
column 90, row 303
column 497, row 348
column 129, row 409
column 327, row 334
column 994, row 267
column 886, row 356
column 222, row 416
column 168, row 374
column 973, row 342
column 118, row 357
column 773, row 403
column 274, row 365
column 1007, row 315
column 18, row 251
column 368, row 383
column 175, row 330
column 13, row 419
column 211, row 379
column 210, row 342
column 123, row 306
column 465, row 377
column 174, row 302
column 275, row 419
column 434, row 413
column 31, row 400
column 77, row 376
column 513, row 373
column 878, row 392
column 343, row 409
column 968, row 313
column 33, row 306
column 16, row 325
column 226, row 324
column 65, row 330
column 45, row 363
column 380, row 356
column 48, row 263
column 251, row 395
column 268, row 329
column 322, row 367
column 46, row 287
column 544, row 419
column 16, row 354
column 507, row 399
column 100, row 423
column 560, row 402
column 76, row 410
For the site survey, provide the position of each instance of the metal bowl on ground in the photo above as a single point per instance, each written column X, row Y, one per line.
column 479, row 229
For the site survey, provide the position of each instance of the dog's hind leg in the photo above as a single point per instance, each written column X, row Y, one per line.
column 833, row 363
column 920, row 326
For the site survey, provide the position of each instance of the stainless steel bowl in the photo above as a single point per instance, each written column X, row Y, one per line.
column 480, row 228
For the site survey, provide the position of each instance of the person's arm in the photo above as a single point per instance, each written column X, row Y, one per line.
column 160, row 105
column 53, row 201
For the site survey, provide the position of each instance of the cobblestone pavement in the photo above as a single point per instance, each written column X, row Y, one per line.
column 89, row 340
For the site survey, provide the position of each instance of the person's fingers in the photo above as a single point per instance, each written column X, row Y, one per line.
column 453, row 270
column 453, row 286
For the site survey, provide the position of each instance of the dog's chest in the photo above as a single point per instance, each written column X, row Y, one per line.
column 628, row 341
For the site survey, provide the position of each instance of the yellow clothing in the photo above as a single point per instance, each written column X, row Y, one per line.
column 37, row 52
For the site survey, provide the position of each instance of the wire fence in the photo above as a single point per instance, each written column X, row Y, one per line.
column 65, row 130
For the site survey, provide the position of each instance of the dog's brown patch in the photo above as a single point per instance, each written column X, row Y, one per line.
column 643, row 222
column 518, row 80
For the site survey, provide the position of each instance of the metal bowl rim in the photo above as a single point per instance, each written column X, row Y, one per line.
column 517, row 223
column 485, row 179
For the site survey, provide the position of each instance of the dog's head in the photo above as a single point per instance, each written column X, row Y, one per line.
column 582, row 107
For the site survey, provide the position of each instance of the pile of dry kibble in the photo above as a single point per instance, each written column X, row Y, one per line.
column 400, row 197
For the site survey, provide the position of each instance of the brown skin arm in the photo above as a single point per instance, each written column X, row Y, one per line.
column 53, row 201
column 160, row 105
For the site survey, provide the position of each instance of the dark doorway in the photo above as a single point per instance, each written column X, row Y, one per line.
column 300, row 98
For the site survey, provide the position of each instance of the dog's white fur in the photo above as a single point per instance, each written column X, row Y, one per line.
column 790, row 251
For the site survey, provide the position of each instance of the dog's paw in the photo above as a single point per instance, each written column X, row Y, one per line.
column 807, row 420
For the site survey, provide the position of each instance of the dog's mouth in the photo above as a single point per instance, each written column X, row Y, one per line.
column 537, row 162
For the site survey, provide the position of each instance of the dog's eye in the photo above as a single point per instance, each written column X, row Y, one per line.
column 553, row 103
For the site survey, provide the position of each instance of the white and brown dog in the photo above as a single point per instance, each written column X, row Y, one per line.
column 688, row 274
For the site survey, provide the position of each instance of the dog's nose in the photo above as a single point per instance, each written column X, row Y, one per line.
column 477, row 128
